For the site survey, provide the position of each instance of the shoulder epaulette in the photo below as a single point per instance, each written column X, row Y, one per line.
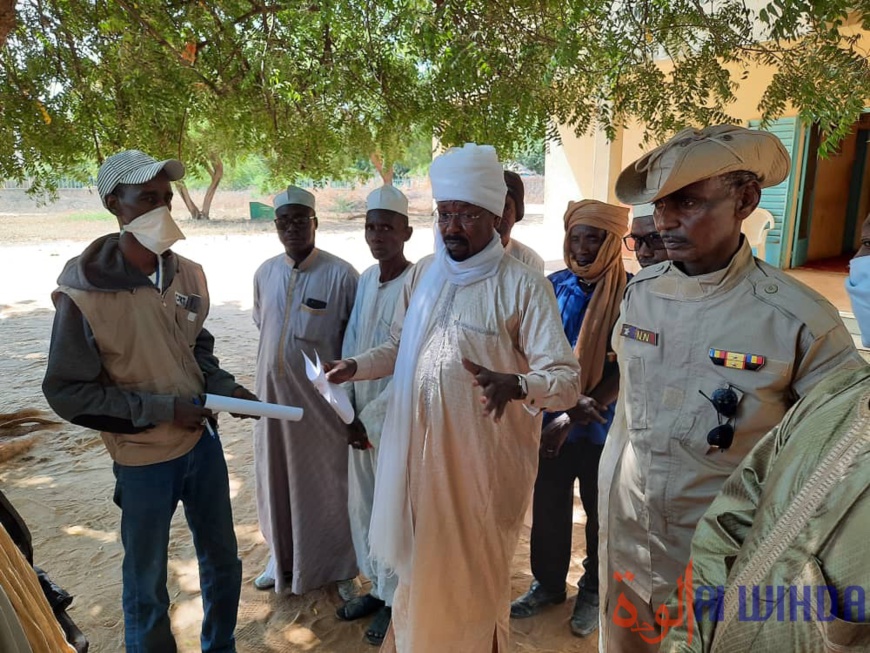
column 651, row 272
column 774, row 287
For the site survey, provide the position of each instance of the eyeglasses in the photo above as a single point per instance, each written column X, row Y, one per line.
column 725, row 402
column 465, row 219
column 634, row 243
column 293, row 223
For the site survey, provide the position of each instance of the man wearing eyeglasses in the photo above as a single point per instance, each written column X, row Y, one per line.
column 302, row 303
column 644, row 240
column 476, row 352
column 714, row 347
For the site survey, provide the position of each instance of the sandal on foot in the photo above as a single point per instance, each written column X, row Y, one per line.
column 377, row 629
column 361, row 606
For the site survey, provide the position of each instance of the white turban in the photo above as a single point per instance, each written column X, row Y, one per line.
column 472, row 174
column 388, row 198
column 294, row 195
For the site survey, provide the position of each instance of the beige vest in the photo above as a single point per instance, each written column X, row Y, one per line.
column 146, row 345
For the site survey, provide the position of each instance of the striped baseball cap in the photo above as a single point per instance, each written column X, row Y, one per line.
column 133, row 167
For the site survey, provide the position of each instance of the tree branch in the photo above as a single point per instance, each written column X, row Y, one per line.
column 130, row 9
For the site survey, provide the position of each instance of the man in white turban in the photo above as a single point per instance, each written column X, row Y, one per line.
column 456, row 465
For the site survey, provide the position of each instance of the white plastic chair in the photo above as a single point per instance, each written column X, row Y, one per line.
column 755, row 228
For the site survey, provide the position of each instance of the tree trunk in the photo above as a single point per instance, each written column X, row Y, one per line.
column 216, row 172
column 192, row 208
column 7, row 20
column 386, row 172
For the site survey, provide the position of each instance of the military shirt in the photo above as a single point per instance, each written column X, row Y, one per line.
column 749, row 327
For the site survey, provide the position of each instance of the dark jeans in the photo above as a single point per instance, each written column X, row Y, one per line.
column 553, row 515
column 148, row 496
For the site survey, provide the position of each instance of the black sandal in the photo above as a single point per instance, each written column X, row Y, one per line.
column 377, row 629
column 359, row 607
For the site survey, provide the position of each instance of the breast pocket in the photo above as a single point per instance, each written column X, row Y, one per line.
column 312, row 321
column 475, row 340
column 189, row 323
column 636, row 412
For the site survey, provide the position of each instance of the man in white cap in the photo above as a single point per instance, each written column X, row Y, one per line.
column 714, row 347
column 380, row 287
column 302, row 303
column 129, row 356
column 643, row 239
column 456, row 465
column 514, row 210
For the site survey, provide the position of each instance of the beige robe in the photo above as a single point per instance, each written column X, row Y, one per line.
column 470, row 478
column 525, row 254
column 301, row 467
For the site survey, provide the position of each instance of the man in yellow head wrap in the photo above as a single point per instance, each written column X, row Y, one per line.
column 589, row 292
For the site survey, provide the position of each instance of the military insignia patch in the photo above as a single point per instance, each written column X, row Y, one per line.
column 735, row 360
column 641, row 335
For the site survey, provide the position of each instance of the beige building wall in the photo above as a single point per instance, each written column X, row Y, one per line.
column 568, row 165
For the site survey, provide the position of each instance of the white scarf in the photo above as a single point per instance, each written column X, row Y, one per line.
column 391, row 534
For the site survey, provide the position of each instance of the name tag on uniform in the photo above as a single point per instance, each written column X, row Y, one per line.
column 641, row 335
column 736, row 360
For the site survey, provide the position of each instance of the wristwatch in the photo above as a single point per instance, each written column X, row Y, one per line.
column 523, row 386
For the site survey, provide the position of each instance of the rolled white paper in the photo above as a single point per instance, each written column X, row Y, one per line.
column 219, row 403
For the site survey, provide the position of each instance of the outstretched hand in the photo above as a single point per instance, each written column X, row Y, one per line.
column 498, row 389
column 340, row 371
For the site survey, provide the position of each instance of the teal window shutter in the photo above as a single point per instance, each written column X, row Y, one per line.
column 778, row 199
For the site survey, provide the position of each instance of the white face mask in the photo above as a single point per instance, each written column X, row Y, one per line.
column 156, row 230
column 858, row 287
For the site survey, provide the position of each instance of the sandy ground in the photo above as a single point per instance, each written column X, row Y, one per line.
column 63, row 486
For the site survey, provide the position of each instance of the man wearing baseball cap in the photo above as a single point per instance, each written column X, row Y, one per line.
column 714, row 347
column 129, row 357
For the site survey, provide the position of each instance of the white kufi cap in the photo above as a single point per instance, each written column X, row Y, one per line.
column 388, row 198
column 294, row 195
column 642, row 211
column 472, row 174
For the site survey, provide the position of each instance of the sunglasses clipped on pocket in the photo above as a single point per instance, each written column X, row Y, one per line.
column 725, row 402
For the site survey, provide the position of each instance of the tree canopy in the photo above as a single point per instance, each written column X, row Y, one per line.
column 315, row 86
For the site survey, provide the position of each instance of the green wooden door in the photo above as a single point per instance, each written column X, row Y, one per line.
column 778, row 199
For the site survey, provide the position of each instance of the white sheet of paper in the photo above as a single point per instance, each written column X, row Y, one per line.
column 335, row 395
column 219, row 403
